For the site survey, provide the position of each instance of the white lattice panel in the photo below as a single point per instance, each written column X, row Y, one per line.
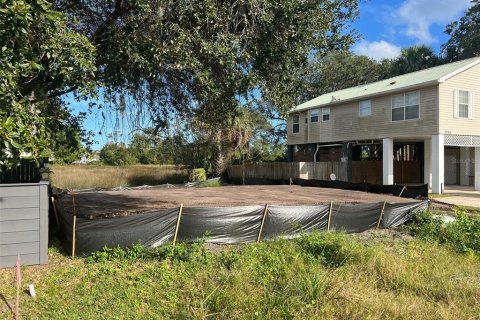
column 462, row 141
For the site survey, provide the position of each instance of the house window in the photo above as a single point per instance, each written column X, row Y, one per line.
column 365, row 108
column 406, row 106
column 314, row 116
column 296, row 124
column 325, row 114
column 463, row 106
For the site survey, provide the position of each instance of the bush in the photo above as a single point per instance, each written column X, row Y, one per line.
column 117, row 155
column 462, row 235
column 332, row 249
column 179, row 252
column 198, row 175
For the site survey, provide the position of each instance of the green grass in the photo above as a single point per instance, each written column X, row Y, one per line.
column 86, row 177
column 462, row 235
column 318, row 276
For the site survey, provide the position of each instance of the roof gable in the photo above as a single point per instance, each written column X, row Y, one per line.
column 407, row 81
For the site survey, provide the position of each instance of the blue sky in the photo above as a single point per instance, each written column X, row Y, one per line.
column 385, row 26
column 388, row 26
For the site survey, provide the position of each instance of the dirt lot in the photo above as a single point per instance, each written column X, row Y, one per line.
column 119, row 203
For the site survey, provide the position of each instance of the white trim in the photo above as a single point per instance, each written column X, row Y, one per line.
column 293, row 123
column 460, row 70
column 415, row 87
column 360, row 108
column 310, row 115
column 456, row 103
column 329, row 113
column 405, row 106
column 456, row 112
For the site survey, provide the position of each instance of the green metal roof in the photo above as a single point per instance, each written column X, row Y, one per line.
column 412, row 80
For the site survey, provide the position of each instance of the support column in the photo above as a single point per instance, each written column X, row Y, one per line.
column 427, row 162
column 438, row 163
column 347, row 158
column 290, row 153
column 477, row 168
column 387, row 161
column 464, row 166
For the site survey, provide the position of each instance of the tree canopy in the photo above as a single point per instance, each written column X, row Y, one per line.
column 200, row 58
column 464, row 35
column 40, row 58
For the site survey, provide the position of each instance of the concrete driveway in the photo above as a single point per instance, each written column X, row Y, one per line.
column 460, row 196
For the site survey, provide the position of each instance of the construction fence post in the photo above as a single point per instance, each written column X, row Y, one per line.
column 178, row 223
column 263, row 221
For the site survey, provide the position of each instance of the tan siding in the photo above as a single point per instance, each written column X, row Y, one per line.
column 468, row 80
column 345, row 123
column 301, row 136
column 314, row 127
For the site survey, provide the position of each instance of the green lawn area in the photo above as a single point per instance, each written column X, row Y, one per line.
column 379, row 275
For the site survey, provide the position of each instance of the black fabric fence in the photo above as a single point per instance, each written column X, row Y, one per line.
column 26, row 171
column 229, row 225
column 412, row 192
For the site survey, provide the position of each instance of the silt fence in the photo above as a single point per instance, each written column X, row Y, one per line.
column 231, row 225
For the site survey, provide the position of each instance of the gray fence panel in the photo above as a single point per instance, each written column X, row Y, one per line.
column 19, row 225
column 355, row 218
column 10, row 261
column 19, row 214
column 221, row 225
column 12, row 249
column 293, row 220
column 19, row 237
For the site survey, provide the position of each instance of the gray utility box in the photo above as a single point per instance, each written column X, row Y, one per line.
column 23, row 223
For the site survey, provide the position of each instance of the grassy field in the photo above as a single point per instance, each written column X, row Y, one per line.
column 380, row 275
column 84, row 177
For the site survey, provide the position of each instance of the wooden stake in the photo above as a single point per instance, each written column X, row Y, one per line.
column 19, row 282
column 74, row 235
column 263, row 221
column 178, row 224
column 403, row 189
column 74, row 231
column 329, row 215
column 55, row 211
column 381, row 214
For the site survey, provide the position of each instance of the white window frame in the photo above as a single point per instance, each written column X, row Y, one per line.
column 312, row 112
column 369, row 108
column 297, row 116
column 325, row 112
column 404, row 106
column 456, row 104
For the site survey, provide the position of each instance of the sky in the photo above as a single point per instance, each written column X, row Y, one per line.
column 388, row 26
column 385, row 27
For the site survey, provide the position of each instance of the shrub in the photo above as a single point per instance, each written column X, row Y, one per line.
column 462, row 235
column 332, row 249
column 198, row 175
column 180, row 252
column 117, row 155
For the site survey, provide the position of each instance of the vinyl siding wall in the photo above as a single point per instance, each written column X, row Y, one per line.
column 468, row 80
column 23, row 223
column 346, row 125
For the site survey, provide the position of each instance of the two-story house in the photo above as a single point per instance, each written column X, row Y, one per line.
column 421, row 127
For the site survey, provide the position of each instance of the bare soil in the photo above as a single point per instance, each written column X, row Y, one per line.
column 96, row 204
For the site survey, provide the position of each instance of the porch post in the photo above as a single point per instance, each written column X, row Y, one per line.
column 477, row 168
column 387, row 161
column 464, row 166
column 427, row 168
column 438, row 163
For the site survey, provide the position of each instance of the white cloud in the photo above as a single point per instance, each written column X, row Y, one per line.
column 377, row 50
column 416, row 16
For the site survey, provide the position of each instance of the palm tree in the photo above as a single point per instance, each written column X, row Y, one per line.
column 415, row 58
